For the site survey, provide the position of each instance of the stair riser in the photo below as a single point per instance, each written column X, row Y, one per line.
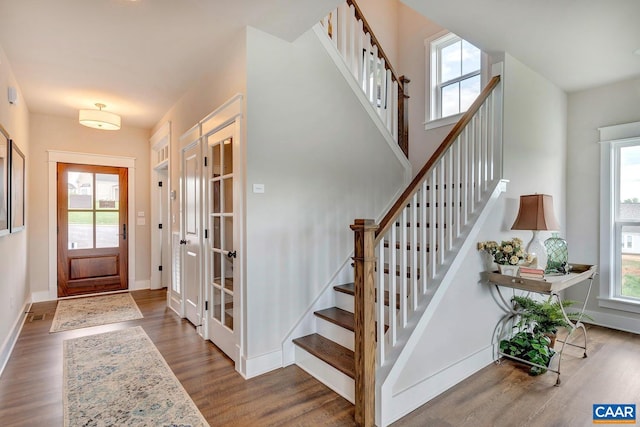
column 335, row 333
column 345, row 302
column 326, row 374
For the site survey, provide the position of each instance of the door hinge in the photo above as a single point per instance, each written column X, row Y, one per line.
column 206, row 306
column 206, row 233
column 205, row 161
column 160, row 226
column 159, row 183
column 159, row 268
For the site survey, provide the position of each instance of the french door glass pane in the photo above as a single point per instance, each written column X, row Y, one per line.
column 80, row 230
column 216, row 165
column 228, row 310
column 107, row 229
column 216, row 196
column 228, row 195
column 217, row 304
column 228, row 156
column 227, row 243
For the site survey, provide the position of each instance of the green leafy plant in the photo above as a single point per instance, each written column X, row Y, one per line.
column 529, row 346
column 544, row 316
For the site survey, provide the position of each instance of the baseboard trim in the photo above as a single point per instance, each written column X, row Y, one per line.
column 614, row 321
column 407, row 400
column 259, row 365
column 12, row 338
column 141, row 284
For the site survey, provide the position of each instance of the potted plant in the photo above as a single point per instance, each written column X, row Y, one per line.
column 508, row 254
column 538, row 323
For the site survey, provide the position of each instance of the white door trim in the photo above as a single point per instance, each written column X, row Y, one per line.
column 55, row 157
column 160, row 144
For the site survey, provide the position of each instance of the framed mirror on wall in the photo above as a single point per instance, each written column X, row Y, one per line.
column 16, row 186
column 4, row 181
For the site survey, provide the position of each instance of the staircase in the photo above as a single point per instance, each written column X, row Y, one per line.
column 409, row 257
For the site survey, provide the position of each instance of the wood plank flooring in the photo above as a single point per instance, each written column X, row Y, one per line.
column 498, row 395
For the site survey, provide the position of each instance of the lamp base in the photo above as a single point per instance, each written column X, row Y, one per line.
column 538, row 251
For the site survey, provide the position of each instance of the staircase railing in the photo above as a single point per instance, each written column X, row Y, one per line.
column 352, row 36
column 402, row 260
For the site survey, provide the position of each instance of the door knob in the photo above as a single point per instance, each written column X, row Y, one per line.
column 183, row 242
column 231, row 254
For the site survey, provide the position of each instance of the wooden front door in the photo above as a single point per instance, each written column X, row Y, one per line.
column 92, row 229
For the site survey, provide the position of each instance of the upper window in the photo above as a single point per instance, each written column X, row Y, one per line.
column 456, row 67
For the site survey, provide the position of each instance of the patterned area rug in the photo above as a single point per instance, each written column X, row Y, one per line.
column 94, row 311
column 120, row 378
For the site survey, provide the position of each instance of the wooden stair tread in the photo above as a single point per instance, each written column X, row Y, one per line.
column 349, row 289
column 340, row 317
column 337, row 316
column 328, row 351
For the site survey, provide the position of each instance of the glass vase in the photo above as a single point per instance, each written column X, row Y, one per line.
column 557, row 254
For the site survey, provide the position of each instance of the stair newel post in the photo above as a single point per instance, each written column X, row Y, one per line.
column 403, row 115
column 364, row 313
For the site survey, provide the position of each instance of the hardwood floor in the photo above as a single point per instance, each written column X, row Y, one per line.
column 500, row 395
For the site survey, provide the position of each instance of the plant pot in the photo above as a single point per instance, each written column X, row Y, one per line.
column 508, row 270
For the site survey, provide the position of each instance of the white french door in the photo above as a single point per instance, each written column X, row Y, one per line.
column 191, row 159
column 222, row 266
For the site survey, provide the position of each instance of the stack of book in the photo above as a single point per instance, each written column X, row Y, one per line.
column 531, row 273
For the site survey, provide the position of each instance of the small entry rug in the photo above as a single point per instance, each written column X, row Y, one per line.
column 119, row 378
column 94, row 311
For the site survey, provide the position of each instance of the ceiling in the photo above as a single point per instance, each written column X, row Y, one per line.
column 577, row 44
column 138, row 57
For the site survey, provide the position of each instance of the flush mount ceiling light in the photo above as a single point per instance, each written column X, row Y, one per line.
column 99, row 119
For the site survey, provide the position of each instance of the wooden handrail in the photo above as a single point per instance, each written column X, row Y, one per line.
column 367, row 29
column 413, row 187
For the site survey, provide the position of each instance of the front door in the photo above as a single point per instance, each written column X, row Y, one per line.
column 191, row 232
column 222, row 271
column 92, row 229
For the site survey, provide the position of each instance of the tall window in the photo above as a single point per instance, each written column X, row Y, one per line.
column 620, row 217
column 627, row 219
column 455, row 75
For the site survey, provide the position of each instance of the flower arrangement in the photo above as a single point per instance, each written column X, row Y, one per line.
column 508, row 252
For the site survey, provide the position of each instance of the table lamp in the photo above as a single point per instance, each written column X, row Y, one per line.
column 536, row 214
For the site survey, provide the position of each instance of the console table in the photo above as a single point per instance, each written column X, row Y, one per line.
column 550, row 285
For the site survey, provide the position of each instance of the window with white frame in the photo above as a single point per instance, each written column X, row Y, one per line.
column 455, row 75
column 620, row 227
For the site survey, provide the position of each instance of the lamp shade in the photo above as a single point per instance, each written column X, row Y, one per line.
column 99, row 119
column 536, row 213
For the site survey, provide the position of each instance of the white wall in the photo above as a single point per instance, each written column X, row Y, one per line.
column 458, row 338
column 224, row 77
column 413, row 30
column 66, row 134
column 607, row 105
column 323, row 163
column 382, row 16
column 14, row 276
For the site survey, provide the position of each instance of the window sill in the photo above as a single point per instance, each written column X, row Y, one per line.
column 443, row 121
column 622, row 304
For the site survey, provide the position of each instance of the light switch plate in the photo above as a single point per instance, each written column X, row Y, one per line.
column 258, row 188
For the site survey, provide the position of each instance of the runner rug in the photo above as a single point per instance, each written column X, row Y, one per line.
column 93, row 311
column 119, row 378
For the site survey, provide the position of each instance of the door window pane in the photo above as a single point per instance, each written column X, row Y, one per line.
column 107, row 191
column 80, row 190
column 228, row 310
column 107, row 229
column 80, row 230
column 228, row 156
column 216, row 161
column 215, row 196
column 228, row 234
column 228, row 195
